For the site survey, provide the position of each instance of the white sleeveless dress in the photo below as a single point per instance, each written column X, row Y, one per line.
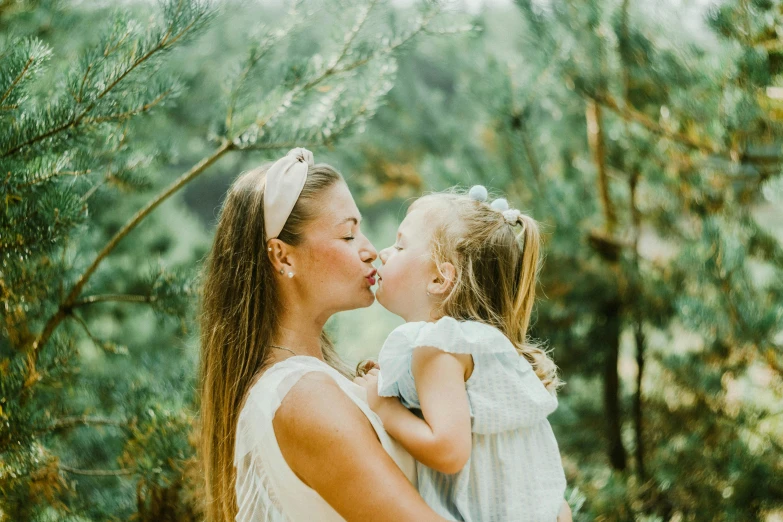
column 267, row 488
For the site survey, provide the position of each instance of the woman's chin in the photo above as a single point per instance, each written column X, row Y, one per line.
column 369, row 298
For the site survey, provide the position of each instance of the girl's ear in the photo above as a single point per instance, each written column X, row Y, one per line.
column 443, row 281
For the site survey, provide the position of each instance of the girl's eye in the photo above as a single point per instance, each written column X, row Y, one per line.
column 397, row 247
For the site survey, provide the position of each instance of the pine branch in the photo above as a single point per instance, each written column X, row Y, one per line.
column 299, row 89
column 256, row 55
column 16, row 81
column 98, row 472
column 119, row 117
column 632, row 114
column 351, row 36
column 65, row 307
column 166, row 42
column 281, row 145
column 106, row 346
column 86, row 420
column 124, row 298
column 393, row 47
column 333, row 70
column 74, row 173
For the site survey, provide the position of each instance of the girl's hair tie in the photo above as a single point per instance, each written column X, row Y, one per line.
column 512, row 216
column 500, row 204
column 478, row 193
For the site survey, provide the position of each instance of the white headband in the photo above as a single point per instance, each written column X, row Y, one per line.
column 284, row 182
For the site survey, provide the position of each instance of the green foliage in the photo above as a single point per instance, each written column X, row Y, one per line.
column 645, row 139
column 661, row 294
column 97, row 353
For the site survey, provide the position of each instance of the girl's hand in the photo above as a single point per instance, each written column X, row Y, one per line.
column 365, row 366
column 565, row 513
column 369, row 382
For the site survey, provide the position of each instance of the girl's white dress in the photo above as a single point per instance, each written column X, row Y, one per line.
column 514, row 473
column 267, row 489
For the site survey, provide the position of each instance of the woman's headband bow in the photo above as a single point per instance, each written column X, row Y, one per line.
column 284, row 182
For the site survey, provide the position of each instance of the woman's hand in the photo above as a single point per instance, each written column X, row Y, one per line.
column 369, row 381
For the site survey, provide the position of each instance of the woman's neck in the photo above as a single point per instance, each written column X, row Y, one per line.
column 302, row 338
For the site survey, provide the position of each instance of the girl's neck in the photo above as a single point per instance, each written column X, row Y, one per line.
column 429, row 315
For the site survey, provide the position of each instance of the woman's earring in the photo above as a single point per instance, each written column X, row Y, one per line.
column 282, row 270
column 269, row 249
column 290, row 275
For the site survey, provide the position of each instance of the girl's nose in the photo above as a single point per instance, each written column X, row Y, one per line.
column 384, row 255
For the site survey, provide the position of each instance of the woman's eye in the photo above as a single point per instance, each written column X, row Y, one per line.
column 351, row 238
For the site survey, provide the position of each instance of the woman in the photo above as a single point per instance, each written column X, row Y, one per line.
column 285, row 434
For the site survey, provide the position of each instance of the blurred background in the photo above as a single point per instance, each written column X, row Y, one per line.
column 645, row 137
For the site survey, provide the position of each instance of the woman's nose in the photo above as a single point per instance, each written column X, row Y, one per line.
column 368, row 253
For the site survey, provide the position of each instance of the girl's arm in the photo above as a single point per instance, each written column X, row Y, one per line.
column 442, row 440
column 565, row 513
column 331, row 446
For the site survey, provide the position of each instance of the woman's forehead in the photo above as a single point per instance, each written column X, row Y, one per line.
column 338, row 207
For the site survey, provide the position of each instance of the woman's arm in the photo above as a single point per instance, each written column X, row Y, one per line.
column 331, row 446
column 442, row 440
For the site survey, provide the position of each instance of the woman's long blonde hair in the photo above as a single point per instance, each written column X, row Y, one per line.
column 239, row 315
column 496, row 270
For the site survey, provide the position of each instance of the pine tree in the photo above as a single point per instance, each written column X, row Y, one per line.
column 651, row 153
column 97, row 412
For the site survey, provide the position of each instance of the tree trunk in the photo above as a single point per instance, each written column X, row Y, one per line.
column 617, row 454
column 637, row 403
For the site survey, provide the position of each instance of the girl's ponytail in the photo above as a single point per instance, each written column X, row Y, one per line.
column 530, row 264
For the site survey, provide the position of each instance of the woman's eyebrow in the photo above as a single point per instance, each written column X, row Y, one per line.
column 355, row 220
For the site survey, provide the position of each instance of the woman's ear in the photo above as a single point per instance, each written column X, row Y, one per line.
column 279, row 255
column 444, row 280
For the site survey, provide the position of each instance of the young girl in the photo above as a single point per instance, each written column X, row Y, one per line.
column 460, row 386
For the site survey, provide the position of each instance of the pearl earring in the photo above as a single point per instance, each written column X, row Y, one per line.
column 290, row 275
column 282, row 270
column 269, row 249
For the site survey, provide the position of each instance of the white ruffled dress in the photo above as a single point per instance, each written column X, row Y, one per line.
column 514, row 473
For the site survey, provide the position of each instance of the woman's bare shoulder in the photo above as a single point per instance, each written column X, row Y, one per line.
column 316, row 402
column 330, row 444
column 318, row 424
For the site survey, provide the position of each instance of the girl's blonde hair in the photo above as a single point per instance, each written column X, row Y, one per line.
column 239, row 314
column 496, row 269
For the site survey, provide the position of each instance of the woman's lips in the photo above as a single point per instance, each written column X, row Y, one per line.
column 371, row 278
